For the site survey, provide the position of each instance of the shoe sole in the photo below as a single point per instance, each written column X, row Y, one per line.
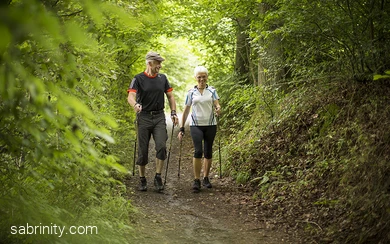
column 207, row 186
column 196, row 189
column 159, row 188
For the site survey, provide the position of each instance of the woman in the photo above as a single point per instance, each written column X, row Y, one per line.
column 204, row 101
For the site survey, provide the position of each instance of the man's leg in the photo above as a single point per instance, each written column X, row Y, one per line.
column 160, row 137
column 143, row 183
column 143, row 148
column 157, row 179
column 141, row 170
column 144, row 134
column 159, row 166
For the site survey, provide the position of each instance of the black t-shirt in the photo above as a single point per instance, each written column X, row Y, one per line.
column 150, row 90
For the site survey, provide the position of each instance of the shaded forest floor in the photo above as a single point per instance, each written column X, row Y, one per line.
column 225, row 213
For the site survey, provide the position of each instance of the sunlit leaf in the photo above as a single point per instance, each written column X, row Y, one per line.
column 78, row 36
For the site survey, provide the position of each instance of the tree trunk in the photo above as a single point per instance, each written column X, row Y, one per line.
column 261, row 65
column 242, row 50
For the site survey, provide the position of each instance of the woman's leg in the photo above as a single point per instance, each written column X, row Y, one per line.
column 207, row 166
column 197, row 139
column 197, row 162
column 209, row 136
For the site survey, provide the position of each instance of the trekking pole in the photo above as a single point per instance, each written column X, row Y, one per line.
column 219, row 149
column 135, row 142
column 169, row 154
column 178, row 171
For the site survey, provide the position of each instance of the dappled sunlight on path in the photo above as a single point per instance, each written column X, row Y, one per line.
column 222, row 214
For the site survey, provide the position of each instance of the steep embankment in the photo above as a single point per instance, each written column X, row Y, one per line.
column 317, row 159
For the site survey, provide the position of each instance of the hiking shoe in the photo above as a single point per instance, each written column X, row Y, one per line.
column 143, row 184
column 206, row 182
column 158, row 183
column 196, row 185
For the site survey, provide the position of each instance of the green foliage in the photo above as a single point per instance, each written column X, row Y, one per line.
column 66, row 127
column 242, row 177
column 386, row 76
column 332, row 38
column 62, row 99
column 211, row 32
column 251, row 112
column 179, row 66
column 239, row 108
column 325, row 153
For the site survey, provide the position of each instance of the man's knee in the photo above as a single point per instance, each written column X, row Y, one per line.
column 161, row 153
column 141, row 162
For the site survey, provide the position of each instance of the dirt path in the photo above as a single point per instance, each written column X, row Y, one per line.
column 222, row 214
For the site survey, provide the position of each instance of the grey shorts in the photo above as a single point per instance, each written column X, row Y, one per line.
column 148, row 125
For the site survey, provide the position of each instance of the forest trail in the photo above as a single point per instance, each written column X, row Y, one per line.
column 222, row 214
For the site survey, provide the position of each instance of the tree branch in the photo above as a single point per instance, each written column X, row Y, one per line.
column 71, row 14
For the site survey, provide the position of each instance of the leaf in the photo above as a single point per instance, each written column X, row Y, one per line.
column 92, row 7
column 79, row 107
column 125, row 18
column 265, row 180
column 110, row 121
column 78, row 36
column 105, row 136
column 377, row 77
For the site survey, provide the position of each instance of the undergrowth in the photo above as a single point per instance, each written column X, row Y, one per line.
column 317, row 157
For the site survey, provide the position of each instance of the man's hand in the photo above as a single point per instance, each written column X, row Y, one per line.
column 137, row 107
column 174, row 118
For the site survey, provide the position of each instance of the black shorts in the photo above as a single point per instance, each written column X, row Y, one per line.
column 203, row 138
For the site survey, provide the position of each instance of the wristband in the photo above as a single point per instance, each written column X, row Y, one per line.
column 182, row 130
column 173, row 113
column 135, row 104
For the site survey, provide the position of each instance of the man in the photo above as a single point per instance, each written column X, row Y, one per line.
column 146, row 96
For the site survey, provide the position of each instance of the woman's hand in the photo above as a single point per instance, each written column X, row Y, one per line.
column 181, row 134
column 217, row 110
